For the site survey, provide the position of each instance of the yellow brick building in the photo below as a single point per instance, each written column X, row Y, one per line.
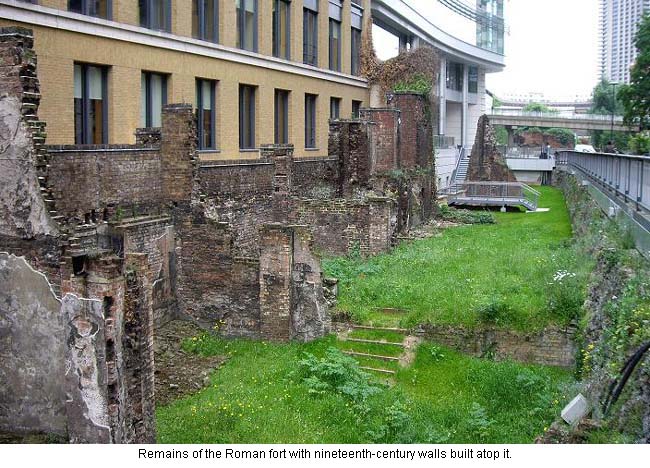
column 95, row 57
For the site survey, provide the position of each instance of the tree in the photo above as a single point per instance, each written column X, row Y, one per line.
column 537, row 107
column 606, row 99
column 636, row 95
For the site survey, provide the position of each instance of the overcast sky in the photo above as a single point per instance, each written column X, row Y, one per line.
column 551, row 46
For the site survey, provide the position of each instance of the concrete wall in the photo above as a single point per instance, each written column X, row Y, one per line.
column 32, row 394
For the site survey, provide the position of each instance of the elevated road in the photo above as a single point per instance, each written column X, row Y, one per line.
column 551, row 120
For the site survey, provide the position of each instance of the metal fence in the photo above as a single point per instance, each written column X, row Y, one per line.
column 626, row 175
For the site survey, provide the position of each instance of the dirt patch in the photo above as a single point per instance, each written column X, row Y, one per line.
column 179, row 373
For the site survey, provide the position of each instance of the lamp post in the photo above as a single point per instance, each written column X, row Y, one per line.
column 611, row 130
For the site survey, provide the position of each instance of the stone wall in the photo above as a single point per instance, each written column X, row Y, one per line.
column 551, row 347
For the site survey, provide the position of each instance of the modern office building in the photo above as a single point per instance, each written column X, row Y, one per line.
column 258, row 71
column 619, row 20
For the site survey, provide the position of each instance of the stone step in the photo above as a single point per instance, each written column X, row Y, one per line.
column 367, row 327
column 374, row 356
column 360, row 340
column 383, row 371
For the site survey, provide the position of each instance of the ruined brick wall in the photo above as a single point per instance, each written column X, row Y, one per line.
column 97, row 180
column 341, row 226
column 222, row 292
column 315, row 177
column 349, row 142
column 385, row 138
column 239, row 193
column 416, row 132
column 109, row 352
column 485, row 162
column 179, row 161
column 155, row 237
column 551, row 347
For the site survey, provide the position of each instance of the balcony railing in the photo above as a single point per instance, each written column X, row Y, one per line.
column 493, row 194
column 626, row 175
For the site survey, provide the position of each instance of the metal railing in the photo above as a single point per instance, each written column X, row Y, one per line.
column 494, row 194
column 527, row 152
column 443, row 141
column 626, row 175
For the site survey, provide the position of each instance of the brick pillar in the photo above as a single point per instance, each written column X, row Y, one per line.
column 178, row 152
column 138, row 360
column 282, row 157
column 385, row 138
column 416, row 139
column 276, row 242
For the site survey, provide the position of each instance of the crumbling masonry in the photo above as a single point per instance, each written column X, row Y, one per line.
column 99, row 244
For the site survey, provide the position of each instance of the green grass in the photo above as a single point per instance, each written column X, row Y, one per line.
column 449, row 278
column 371, row 348
column 258, row 397
column 379, row 335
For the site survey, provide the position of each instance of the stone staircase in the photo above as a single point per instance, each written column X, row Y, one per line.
column 381, row 351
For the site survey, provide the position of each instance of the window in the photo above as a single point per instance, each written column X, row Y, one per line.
column 355, row 43
column 90, row 105
column 335, row 45
column 98, row 8
column 356, row 109
column 356, row 21
column 205, row 20
column 281, row 117
column 310, row 121
column 335, row 13
column 156, row 14
column 310, row 33
column 472, row 79
column 335, row 108
column 281, row 30
column 246, row 117
column 153, row 88
column 455, row 76
column 206, row 113
column 247, row 24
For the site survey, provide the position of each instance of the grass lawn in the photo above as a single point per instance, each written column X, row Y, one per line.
column 259, row 397
column 508, row 267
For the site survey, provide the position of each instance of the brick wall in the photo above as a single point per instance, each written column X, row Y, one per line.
column 416, row 133
column 385, row 136
column 222, row 292
column 551, row 347
column 94, row 178
column 341, row 226
column 154, row 237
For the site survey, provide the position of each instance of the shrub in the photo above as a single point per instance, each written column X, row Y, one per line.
column 494, row 312
column 565, row 296
column 466, row 216
column 336, row 373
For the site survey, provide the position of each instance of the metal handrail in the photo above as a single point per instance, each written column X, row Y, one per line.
column 626, row 175
column 495, row 193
